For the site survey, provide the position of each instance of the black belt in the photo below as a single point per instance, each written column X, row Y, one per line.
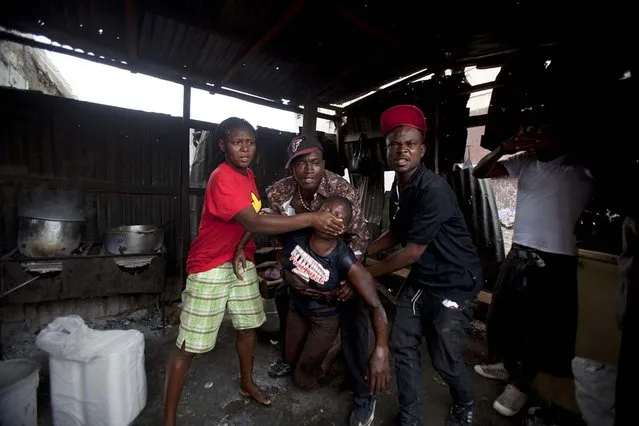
column 527, row 253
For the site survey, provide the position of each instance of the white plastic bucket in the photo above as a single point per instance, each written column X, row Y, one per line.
column 19, row 380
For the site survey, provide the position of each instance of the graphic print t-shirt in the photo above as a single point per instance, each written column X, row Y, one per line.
column 227, row 192
column 321, row 273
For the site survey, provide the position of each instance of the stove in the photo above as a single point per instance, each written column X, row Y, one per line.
column 89, row 271
column 88, row 250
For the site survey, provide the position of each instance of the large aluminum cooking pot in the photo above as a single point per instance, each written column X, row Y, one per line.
column 48, row 238
column 134, row 239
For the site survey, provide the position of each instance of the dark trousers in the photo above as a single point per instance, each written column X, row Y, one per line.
column 308, row 340
column 628, row 369
column 354, row 328
column 420, row 315
column 532, row 321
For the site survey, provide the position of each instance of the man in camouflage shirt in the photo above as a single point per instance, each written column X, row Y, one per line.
column 304, row 191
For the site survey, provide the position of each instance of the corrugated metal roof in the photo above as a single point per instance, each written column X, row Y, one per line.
column 338, row 51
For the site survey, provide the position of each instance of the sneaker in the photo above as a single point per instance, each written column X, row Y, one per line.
column 510, row 402
column 538, row 416
column 492, row 371
column 363, row 411
column 460, row 415
column 279, row 369
column 552, row 415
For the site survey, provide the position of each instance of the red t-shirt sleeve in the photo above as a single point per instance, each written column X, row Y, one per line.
column 227, row 194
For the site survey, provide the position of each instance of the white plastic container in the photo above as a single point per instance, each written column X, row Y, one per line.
column 97, row 377
column 19, row 380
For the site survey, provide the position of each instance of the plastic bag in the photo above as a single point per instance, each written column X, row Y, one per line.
column 97, row 377
column 70, row 338
column 595, row 391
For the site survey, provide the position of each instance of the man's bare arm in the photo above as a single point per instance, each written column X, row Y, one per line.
column 379, row 371
column 489, row 166
column 362, row 280
column 398, row 260
column 244, row 240
column 384, row 242
column 274, row 224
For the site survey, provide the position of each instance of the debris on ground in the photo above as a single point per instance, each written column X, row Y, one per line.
column 478, row 329
column 146, row 320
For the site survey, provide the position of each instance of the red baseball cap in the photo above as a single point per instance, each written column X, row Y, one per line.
column 402, row 115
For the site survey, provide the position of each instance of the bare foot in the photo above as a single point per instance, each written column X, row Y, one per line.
column 253, row 391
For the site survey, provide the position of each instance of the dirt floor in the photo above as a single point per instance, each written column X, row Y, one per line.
column 211, row 394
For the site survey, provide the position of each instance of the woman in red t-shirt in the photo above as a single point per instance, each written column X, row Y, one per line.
column 231, row 207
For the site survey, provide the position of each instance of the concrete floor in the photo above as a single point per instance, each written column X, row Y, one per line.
column 211, row 395
column 211, row 398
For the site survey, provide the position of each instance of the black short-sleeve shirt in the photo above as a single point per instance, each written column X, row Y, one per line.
column 426, row 213
column 322, row 273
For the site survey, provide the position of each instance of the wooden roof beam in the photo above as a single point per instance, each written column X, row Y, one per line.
column 132, row 29
column 290, row 14
column 387, row 44
column 367, row 28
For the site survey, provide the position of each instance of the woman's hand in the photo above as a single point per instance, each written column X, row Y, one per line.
column 239, row 261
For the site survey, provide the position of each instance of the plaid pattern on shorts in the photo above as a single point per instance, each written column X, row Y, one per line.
column 207, row 296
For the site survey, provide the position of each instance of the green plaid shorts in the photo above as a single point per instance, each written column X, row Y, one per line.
column 206, row 297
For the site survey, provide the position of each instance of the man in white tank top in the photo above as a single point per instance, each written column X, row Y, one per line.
column 532, row 322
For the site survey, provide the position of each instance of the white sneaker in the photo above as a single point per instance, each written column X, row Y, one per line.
column 492, row 371
column 510, row 402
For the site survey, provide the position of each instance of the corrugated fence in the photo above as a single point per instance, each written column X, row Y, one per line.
column 126, row 163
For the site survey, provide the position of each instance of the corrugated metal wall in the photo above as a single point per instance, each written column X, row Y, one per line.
column 127, row 163
column 477, row 202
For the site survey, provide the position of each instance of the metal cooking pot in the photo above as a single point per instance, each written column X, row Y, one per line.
column 134, row 239
column 48, row 238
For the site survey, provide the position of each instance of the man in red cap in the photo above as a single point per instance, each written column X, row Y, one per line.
column 438, row 298
column 305, row 191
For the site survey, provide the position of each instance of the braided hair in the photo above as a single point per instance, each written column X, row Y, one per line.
column 225, row 128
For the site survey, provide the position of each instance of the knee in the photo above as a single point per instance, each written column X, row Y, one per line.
column 245, row 335
column 180, row 354
column 447, row 371
column 304, row 380
column 448, row 363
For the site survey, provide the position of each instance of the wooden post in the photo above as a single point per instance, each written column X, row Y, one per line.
column 309, row 123
column 436, row 80
column 185, row 228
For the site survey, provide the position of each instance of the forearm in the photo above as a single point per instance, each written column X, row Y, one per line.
column 244, row 240
column 380, row 326
column 272, row 224
column 365, row 286
column 484, row 168
column 396, row 261
column 383, row 242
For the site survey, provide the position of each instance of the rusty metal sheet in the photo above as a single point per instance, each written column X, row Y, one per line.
column 125, row 162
